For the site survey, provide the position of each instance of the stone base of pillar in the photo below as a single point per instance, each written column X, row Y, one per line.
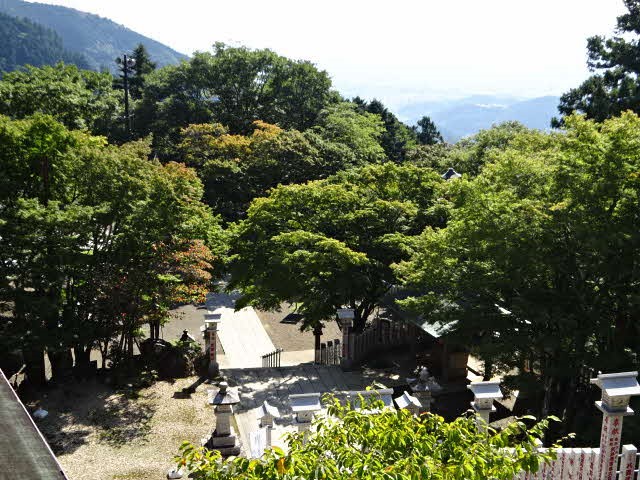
column 227, row 445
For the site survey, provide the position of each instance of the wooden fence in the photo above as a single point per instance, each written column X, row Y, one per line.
column 329, row 353
column 379, row 335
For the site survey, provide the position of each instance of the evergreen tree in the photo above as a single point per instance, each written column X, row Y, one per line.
column 137, row 70
column 397, row 138
column 617, row 87
column 427, row 132
column 143, row 66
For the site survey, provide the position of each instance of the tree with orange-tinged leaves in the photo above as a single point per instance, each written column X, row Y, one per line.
column 96, row 241
column 235, row 169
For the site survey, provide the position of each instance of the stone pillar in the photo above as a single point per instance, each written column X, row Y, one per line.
column 317, row 333
column 268, row 435
column 484, row 393
column 211, row 321
column 628, row 462
column 346, row 316
column 617, row 390
column 223, row 420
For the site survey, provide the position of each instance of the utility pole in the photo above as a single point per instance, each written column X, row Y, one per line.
column 127, row 63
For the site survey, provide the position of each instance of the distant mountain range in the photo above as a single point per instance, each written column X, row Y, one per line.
column 39, row 34
column 98, row 40
column 25, row 42
column 459, row 118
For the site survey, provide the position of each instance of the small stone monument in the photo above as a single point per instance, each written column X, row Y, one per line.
column 266, row 414
column 423, row 388
column 304, row 405
column 223, row 438
column 409, row 402
column 484, row 393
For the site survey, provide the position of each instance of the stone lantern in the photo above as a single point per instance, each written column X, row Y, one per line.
column 211, row 322
column 267, row 413
column 423, row 388
column 484, row 394
column 617, row 390
column 304, row 405
column 346, row 316
column 409, row 402
column 223, row 438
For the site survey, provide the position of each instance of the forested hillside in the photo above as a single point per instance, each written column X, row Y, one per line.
column 27, row 43
column 100, row 40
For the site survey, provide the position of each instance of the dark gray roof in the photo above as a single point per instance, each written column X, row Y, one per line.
column 24, row 453
column 435, row 329
column 450, row 173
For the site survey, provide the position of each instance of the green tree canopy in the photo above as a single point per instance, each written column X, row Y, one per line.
column 237, row 168
column 616, row 87
column 95, row 240
column 331, row 243
column 469, row 155
column 80, row 99
column 397, row 138
column 537, row 268
column 359, row 131
column 234, row 87
column 353, row 443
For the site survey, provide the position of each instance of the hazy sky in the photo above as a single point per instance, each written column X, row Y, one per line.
column 394, row 50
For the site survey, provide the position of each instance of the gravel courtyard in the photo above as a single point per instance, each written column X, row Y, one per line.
column 99, row 433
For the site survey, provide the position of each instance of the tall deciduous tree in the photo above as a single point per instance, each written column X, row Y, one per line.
column 359, row 131
column 331, row 243
column 616, row 87
column 397, row 138
column 538, row 267
column 234, row 87
column 79, row 99
column 238, row 168
column 95, row 240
